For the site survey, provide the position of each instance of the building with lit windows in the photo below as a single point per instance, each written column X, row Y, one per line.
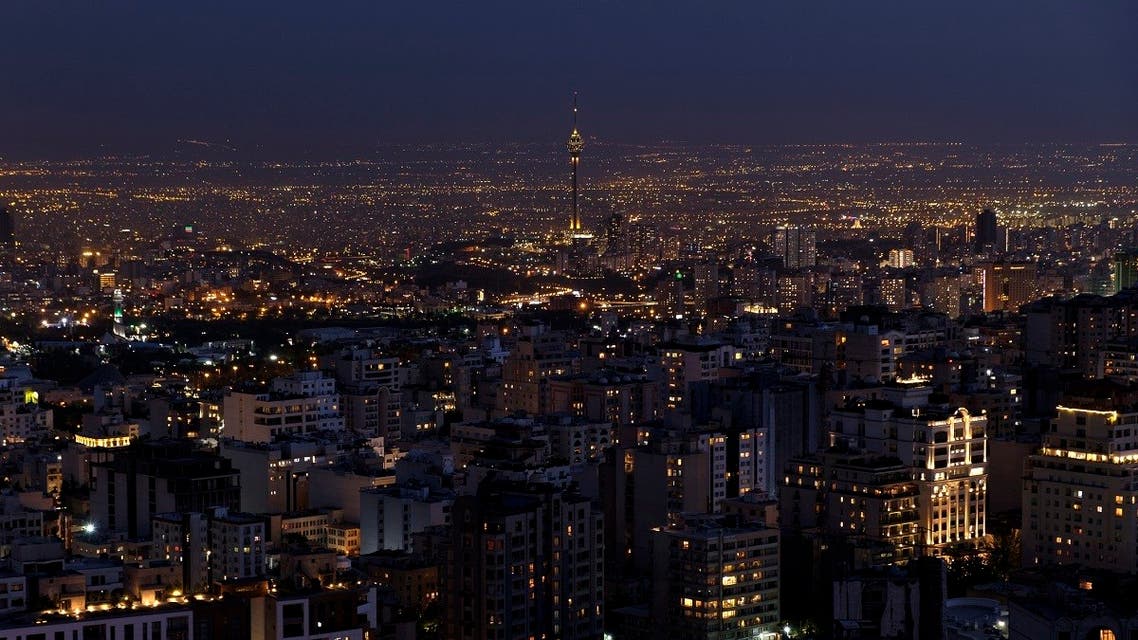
column 900, row 258
column 891, row 293
column 795, row 245
column 1077, row 334
column 171, row 622
column 526, row 372
column 1080, row 495
column 211, row 547
column 524, row 562
column 854, row 494
column 1124, row 270
column 693, row 361
column 945, row 449
column 942, row 294
column 21, row 417
column 274, row 476
column 795, row 291
column 371, row 386
column 305, row 402
column 715, row 577
column 159, row 476
column 606, row 395
column 1008, row 285
column 872, row 353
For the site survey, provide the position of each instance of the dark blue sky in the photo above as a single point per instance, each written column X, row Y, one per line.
column 348, row 75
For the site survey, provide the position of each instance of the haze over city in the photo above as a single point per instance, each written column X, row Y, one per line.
column 600, row 320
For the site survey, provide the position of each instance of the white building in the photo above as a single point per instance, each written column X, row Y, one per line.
column 389, row 516
column 945, row 449
column 305, row 402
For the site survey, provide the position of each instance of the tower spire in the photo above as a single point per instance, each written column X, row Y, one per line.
column 575, row 144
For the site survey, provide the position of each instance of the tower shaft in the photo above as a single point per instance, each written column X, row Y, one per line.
column 575, row 220
column 575, row 144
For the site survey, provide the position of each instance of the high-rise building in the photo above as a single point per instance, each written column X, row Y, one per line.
column 371, row 391
column 900, row 258
column 795, row 245
column 526, row 372
column 706, row 277
column 715, row 577
column 891, row 293
column 987, row 230
column 21, row 417
column 945, row 450
column 7, row 231
column 274, row 476
column 1079, row 492
column 1008, row 285
column 1074, row 334
column 390, row 515
column 607, row 395
column 1124, row 270
column 692, row 361
column 795, row 291
column 217, row 546
column 942, row 294
column 523, row 562
column 155, row 477
column 855, row 494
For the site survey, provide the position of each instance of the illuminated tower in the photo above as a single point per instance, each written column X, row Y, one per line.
column 117, row 313
column 575, row 144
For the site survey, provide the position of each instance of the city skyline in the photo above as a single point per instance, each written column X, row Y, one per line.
column 335, row 322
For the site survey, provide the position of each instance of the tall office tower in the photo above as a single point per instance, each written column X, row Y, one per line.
column 7, row 232
column 891, row 293
column 1008, row 285
column 574, row 145
column 987, row 230
column 523, row 562
column 900, row 258
column 1124, row 271
column 942, row 294
column 715, row 577
column 795, row 245
column 1079, row 492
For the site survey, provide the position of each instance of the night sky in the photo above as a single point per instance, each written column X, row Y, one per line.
column 331, row 77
